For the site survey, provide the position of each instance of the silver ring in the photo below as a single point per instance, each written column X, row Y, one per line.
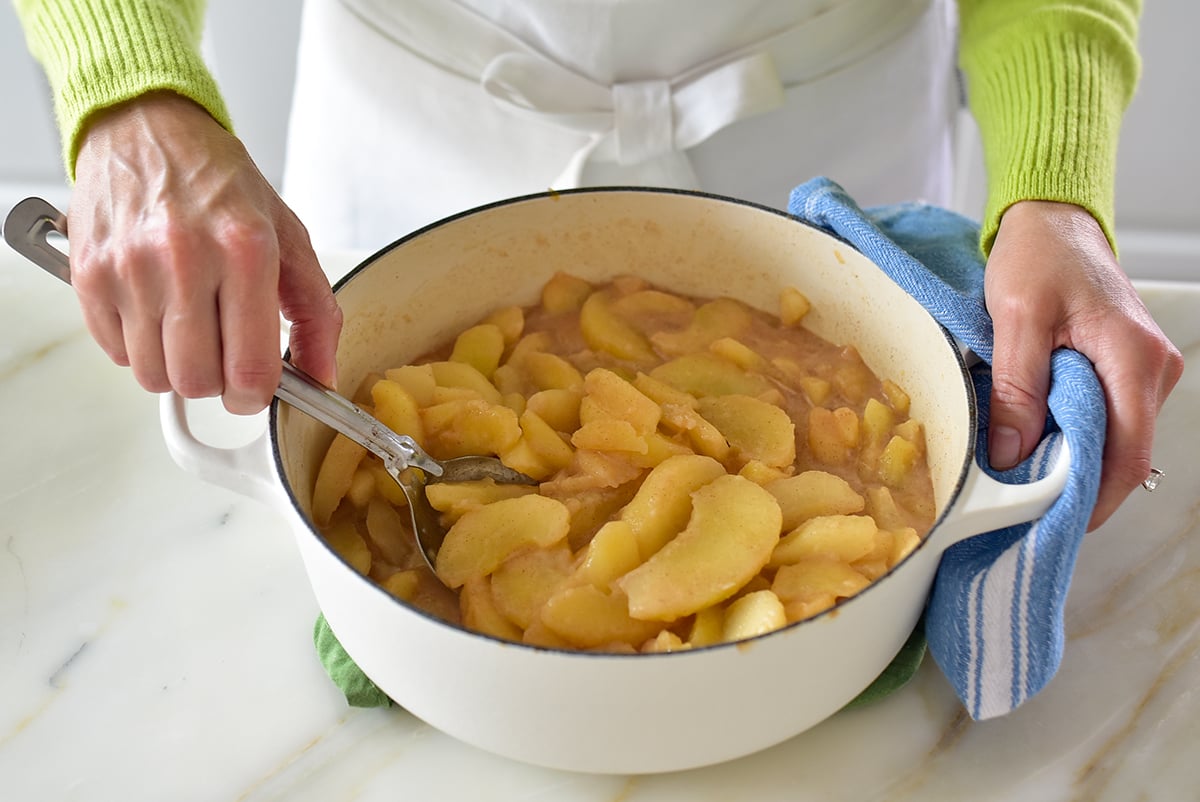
column 1150, row 483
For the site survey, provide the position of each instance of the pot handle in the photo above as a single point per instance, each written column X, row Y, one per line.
column 246, row 469
column 985, row 504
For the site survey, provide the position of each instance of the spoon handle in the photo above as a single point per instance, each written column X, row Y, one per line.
column 32, row 220
column 398, row 451
column 26, row 229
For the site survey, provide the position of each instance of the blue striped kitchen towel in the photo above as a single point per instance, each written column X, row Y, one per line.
column 994, row 622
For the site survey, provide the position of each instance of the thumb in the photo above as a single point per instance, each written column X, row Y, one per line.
column 306, row 300
column 1020, row 386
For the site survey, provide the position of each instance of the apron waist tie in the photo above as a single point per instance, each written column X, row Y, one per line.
column 644, row 127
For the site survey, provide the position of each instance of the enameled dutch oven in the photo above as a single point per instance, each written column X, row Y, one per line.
column 625, row 713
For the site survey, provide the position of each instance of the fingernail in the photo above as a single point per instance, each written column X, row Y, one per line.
column 1004, row 447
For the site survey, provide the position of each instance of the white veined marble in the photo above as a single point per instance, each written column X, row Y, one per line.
column 155, row 634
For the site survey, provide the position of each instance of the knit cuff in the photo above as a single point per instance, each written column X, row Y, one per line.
column 98, row 53
column 1049, row 95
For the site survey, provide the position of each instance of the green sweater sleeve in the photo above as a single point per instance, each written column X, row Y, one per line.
column 97, row 53
column 1048, row 82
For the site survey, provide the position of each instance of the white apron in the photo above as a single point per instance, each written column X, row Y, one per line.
column 406, row 111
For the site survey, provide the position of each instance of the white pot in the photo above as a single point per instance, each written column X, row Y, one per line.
column 626, row 713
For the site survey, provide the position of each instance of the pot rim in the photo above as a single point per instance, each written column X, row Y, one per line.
column 964, row 373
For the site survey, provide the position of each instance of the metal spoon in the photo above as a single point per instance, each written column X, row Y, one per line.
column 33, row 219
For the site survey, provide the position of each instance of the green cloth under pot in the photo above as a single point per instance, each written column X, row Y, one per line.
column 360, row 691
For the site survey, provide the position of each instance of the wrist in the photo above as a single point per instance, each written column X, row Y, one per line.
column 1050, row 213
column 160, row 115
column 155, row 106
column 1050, row 232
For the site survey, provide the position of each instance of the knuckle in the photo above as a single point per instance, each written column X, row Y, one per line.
column 317, row 311
column 92, row 270
column 1132, row 471
column 161, row 240
column 1017, row 311
column 297, row 231
column 187, row 257
column 198, row 385
column 1173, row 369
column 249, row 242
column 331, row 312
column 1159, row 358
column 1006, row 306
column 154, row 380
column 180, row 258
column 253, row 378
column 114, row 346
column 1009, row 391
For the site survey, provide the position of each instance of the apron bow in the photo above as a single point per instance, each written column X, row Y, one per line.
column 638, row 131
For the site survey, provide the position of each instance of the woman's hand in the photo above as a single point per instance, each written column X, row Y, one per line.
column 183, row 257
column 1052, row 280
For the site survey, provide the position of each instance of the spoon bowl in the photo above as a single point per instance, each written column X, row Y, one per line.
column 403, row 459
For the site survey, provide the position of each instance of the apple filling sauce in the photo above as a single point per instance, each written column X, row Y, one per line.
column 707, row 472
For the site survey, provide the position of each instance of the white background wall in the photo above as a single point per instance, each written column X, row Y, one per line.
column 251, row 46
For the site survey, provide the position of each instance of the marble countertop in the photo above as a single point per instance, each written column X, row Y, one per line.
column 155, row 633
